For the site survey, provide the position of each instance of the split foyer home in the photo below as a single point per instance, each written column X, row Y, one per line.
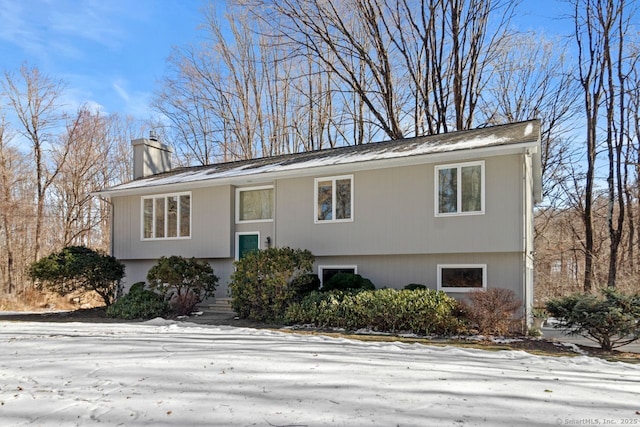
column 452, row 211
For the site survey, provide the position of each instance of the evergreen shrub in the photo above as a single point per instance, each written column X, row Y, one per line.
column 611, row 319
column 414, row 286
column 184, row 282
column 345, row 281
column 78, row 268
column 266, row 282
column 139, row 303
column 421, row 311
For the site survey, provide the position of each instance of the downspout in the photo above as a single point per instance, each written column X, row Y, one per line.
column 528, row 217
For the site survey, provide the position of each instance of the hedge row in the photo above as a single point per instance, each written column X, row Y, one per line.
column 421, row 311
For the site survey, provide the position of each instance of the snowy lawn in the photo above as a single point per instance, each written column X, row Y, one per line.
column 163, row 373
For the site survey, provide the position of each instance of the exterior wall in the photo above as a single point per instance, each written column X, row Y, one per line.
column 394, row 214
column 395, row 238
column 211, row 228
column 136, row 271
column 395, row 271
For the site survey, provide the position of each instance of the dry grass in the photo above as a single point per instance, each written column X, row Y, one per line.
column 32, row 299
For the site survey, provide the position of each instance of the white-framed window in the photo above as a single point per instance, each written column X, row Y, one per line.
column 166, row 216
column 459, row 189
column 333, row 199
column 462, row 277
column 326, row 272
column 254, row 204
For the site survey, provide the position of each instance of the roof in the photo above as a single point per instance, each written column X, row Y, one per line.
column 367, row 155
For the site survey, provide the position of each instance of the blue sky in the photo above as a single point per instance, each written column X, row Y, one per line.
column 111, row 53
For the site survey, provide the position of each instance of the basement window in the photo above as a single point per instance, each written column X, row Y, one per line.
column 462, row 277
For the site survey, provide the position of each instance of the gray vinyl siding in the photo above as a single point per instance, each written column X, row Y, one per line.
column 211, row 228
column 395, row 271
column 136, row 271
column 394, row 238
column 394, row 214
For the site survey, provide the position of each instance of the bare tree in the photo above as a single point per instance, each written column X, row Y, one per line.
column 86, row 148
column 425, row 62
column 592, row 83
column 615, row 19
column 9, row 173
column 17, row 211
column 533, row 79
column 632, row 158
column 214, row 99
column 347, row 39
column 34, row 98
column 601, row 29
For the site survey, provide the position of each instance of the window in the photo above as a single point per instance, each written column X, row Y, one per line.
column 334, row 199
column 166, row 216
column 326, row 272
column 462, row 277
column 254, row 204
column 459, row 189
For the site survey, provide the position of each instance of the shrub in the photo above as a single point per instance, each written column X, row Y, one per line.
column 266, row 282
column 344, row 281
column 422, row 311
column 611, row 320
column 183, row 282
column 139, row 303
column 414, row 286
column 78, row 268
column 493, row 310
column 305, row 284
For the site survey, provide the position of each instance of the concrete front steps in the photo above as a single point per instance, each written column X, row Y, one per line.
column 219, row 306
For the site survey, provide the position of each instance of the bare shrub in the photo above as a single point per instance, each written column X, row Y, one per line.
column 492, row 311
column 185, row 303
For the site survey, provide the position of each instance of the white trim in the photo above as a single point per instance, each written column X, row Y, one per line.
column 333, row 180
column 321, row 269
column 458, row 166
column 451, row 289
column 262, row 187
column 245, row 233
column 165, row 196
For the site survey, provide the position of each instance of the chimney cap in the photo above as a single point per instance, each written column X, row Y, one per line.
column 153, row 136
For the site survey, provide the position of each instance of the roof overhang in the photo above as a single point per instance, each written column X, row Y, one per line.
column 255, row 176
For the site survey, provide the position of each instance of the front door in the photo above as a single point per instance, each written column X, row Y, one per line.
column 246, row 242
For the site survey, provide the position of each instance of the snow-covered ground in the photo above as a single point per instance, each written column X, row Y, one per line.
column 163, row 373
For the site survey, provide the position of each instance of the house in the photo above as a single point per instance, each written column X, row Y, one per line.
column 451, row 211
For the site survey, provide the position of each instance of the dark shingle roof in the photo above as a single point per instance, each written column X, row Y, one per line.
column 493, row 136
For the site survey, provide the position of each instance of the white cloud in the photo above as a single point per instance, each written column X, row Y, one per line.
column 43, row 29
column 122, row 93
column 136, row 103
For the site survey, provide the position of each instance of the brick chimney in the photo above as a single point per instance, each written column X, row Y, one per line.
column 150, row 156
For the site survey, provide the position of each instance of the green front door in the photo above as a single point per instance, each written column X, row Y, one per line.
column 247, row 243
